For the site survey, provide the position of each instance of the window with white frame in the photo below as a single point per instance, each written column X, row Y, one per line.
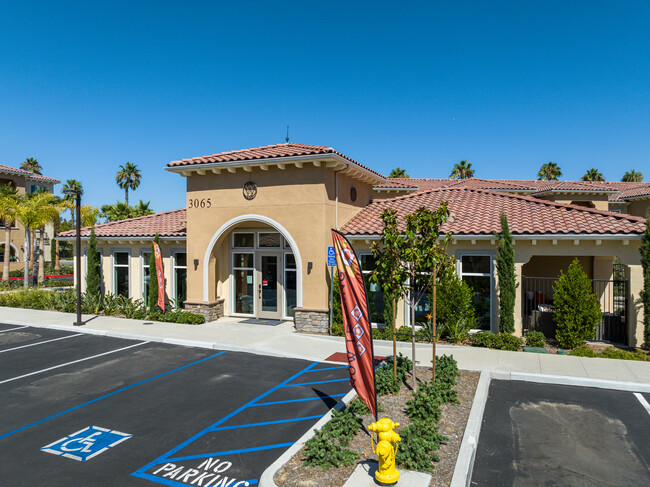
column 121, row 273
column 145, row 257
column 476, row 270
column 243, row 269
column 290, row 284
column 180, row 278
column 374, row 290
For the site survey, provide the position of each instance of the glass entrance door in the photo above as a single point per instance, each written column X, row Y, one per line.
column 268, row 286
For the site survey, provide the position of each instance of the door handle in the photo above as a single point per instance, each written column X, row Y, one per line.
column 259, row 291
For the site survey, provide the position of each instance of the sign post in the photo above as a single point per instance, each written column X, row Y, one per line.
column 331, row 263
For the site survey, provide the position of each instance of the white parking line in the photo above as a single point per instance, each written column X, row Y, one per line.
column 643, row 402
column 73, row 362
column 41, row 343
column 12, row 329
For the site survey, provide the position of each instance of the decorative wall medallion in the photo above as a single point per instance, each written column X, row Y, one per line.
column 353, row 193
column 250, row 190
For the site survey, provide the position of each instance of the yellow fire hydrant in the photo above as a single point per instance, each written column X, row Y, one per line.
column 387, row 441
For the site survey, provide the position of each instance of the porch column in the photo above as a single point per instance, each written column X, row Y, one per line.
column 634, row 275
column 519, row 310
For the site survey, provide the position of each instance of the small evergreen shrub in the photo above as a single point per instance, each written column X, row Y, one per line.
column 358, row 407
column 506, row 341
column 385, row 383
column 577, row 311
column 417, row 449
column 535, row 339
column 483, row 339
column 454, row 308
column 617, row 353
column 425, row 403
column 506, row 278
column 583, row 351
column 325, row 451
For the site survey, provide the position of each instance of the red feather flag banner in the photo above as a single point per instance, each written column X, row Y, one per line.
column 159, row 276
column 356, row 322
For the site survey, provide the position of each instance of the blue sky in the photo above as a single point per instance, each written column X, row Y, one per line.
column 506, row 85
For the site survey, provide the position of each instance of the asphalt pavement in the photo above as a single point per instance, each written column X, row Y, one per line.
column 79, row 409
column 544, row 434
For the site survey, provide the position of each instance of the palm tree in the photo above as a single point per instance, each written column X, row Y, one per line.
column 462, row 170
column 142, row 209
column 632, row 177
column 30, row 164
column 116, row 212
column 549, row 172
column 128, row 177
column 34, row 213
column 592, row 175
column 398, row 172
column 8, row 210
column 70, row 199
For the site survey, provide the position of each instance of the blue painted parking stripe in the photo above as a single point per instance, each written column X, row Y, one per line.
column 97, row 399
column 330, row 368
column 317, row 382
column 296, row 400
column 164, row 458
column 229, row 452
column 265, row 423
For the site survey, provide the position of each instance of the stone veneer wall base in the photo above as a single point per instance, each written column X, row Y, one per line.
column 211, row 311
column 312, row 320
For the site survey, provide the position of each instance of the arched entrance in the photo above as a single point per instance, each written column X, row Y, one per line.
column 264, row 268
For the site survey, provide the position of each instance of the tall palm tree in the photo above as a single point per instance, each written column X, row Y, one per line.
column 128, row 177
column 34, row 213
column 30, row 164
column 398, row 172
column 462, row 170
column 632, row 177
column 70, row 199
column 549, row 172
column 8, row 210
column 592, row 175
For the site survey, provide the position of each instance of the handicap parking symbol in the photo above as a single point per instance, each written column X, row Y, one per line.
column 331, row 257
column 86, row 443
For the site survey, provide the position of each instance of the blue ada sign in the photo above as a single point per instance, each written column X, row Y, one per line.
column 86, row 443
column 331, row 257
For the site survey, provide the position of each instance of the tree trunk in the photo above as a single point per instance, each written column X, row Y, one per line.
column 57, row 263
column 26, row 260
column 394, row 341
column 41, row 256
column 126, row 195
column 32, row 244
column 7, row 258
column 434, row 338
column 412, row 303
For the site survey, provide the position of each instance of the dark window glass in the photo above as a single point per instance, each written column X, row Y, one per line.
column 367, row 262
column 181, row 286
column 244, row 291
column 290, row 292
column 121, row 258
column 481, row 287
column 244, row 240
column 243, row 260
column 270, row 240
column 181, row 259
column 289, row 261
column 122, row 281
column 476, row 264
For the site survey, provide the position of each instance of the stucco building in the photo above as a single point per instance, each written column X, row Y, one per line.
column 253, row 238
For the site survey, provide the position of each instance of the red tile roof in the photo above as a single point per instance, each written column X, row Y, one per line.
column 166, row 224
column 275, row 151
column 477, row 212
column 27, row 174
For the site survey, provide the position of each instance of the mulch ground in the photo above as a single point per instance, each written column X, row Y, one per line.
column 452, row 425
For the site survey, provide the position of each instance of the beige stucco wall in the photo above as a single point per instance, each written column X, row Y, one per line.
column 638, row 207
column 598, row 200
column 302, row 201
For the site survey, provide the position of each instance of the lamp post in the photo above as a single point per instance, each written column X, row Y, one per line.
column 77, row 194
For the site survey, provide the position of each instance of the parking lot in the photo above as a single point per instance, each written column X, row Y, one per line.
column 82, row 409
column 543, row 434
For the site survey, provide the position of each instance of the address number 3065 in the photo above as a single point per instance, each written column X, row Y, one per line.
column 199, row 203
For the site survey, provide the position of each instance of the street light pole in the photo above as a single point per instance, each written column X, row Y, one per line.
column 78, row 252
column 77, row 195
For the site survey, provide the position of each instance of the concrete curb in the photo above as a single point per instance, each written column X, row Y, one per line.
column 465, row 462
column 266, row 480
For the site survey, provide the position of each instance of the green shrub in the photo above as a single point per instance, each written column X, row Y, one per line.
column 617, row 353
column 177, row 316
column 358, row 407
column 425, row 403
column 91, row 303
column 507, row 280
column 576, row 308
column 110, row 304
column 343, row 426
column 385, row 382
column 483, row 339
column 535, row 339
column 446, row 373
column 506, row 341
column 454, row 308
column 416, row 450
column 583, row 351
column 325, row 451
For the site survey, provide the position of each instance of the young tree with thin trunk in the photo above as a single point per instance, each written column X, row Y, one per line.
column 390, row 272
column 9, row 202
column 507, row 278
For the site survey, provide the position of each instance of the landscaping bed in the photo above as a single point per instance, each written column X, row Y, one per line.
column 453, row 420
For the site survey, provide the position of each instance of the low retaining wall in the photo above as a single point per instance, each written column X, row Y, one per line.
column 312, row 320
column 211, row 311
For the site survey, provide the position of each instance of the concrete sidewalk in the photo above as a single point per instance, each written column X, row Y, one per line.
column 282, row 340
